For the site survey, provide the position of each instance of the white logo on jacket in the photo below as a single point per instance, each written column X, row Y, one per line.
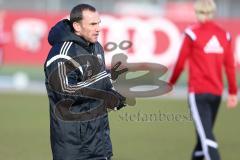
column 213, row 46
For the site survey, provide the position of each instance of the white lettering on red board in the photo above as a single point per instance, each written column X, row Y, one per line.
column 143, row 38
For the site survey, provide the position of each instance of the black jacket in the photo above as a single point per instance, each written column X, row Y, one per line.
column 76, row 81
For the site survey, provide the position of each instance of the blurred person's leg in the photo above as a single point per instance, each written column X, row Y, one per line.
column 204, row 109
column 214, row 106
column 197, row 153
column 215, row 103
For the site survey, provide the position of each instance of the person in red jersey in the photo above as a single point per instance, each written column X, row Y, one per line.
column 207, row 48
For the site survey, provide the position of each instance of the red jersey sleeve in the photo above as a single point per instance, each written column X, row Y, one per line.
column 183, row 55
column 230, row 68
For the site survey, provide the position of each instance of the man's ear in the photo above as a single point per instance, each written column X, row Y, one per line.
column 77, row 27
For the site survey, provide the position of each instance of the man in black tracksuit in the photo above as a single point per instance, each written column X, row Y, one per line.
column 79, row 89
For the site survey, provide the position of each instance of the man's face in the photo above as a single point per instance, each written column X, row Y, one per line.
column 89, row 26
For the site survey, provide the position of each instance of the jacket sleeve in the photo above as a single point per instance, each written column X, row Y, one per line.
column 183, row 55
column 74, row 77
column 230, row 68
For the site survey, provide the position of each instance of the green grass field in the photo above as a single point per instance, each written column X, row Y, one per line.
column 138, row 133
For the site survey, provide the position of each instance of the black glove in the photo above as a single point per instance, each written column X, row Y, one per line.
column 121, row 99
column 115, row 73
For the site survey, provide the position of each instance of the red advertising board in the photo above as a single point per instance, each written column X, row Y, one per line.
column 154, row 39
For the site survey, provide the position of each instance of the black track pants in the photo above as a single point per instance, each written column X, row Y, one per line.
column 204, row 108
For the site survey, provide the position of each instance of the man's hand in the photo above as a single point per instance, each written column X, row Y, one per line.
column 115, row 73
column 121, row 100
column 232, row 101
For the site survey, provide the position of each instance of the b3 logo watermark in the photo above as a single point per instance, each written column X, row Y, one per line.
column 71, row 80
